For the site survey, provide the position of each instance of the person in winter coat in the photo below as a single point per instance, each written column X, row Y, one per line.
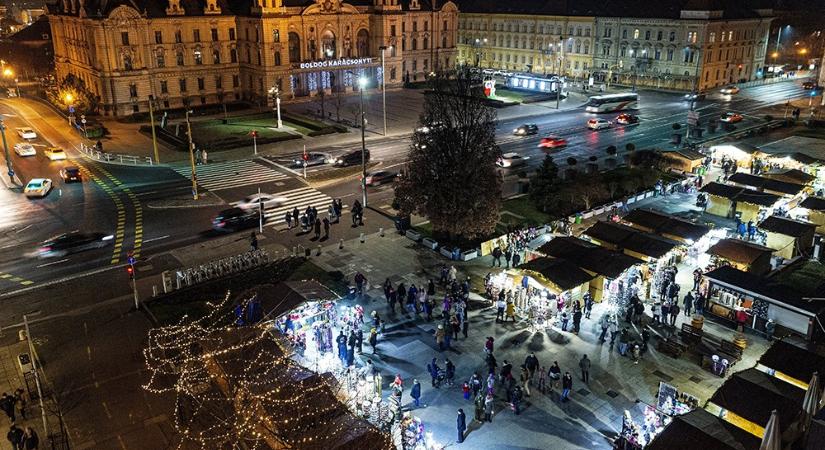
column 373, row 339
column 532, row 363
column 605, row 324
column 415, row 393
column 566, row 386
column 516, row 398
column 461, row 425
column 16, row 437
column 465, row 390
column 479, row 407
column 30, row 440
column 524, row 378
column 577, row 320
column 488, row 408
column 439, row 337
column 449, row 369
column 510, row 312
column 584, row 365
column 674, row 313
column 475, row 384
column 488, row 345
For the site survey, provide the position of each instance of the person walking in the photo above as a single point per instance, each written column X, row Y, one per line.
column 317, row 229
column 496, row 257
column 515, row 399
column 7, row 405
column 674, row 313
column 488, row 408
column 554, row 373
column 577, row 320
column 588, row 305
column 489, row 344
column 584, row 365
column 500, row 307
column 198, row 156
column 465, row 390
column 475, row 384
column 326, row 228
column 31, row 441
column 360, row 281
column 449, row 370
column 465, row 326
column 624, row 337
column 461, row 425
column 524, row 378
column 687, row 303
column 439, row 337
column 253, row 241
column 542, row 379
column 415, row 393
column 288, row 220
column 510, row 312
column 20, row 401
column 532, row 364
column 204, row 156
column 478, row 401
column 373, row 339
column 15, row 436
column 566, row 386
column 508, row 254
column 605, row 323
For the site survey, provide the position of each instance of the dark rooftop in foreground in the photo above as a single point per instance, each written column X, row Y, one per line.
column 764, row 183
column 701, row 430
column 786, row 226
column 813, row 203
column 560, row 272
column 738, row 250
column 740, row 194
column 661, row 223
column 629, row 238
column 798, row 360
column 589, row 256
column 737, row 394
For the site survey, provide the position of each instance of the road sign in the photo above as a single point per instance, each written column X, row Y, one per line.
column 71, row 109
column 693, row 118
column 131, row 260
column 82, row 120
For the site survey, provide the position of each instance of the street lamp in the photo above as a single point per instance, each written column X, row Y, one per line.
column 192, row 154
column 275, row 92
column 477, row 45
column 384, row 86
column 362, row 83
column 69, row 98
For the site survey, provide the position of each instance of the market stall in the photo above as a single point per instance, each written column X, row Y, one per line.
column 741, row 254
column 787, row 237
column 742, row 154
column 670, row 403
column 698, row 430
column 559, row 283
column 811, row 209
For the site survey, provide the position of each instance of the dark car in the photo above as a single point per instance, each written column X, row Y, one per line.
column 70, row 173
column 350, row 158
column 73, row 242
column 234, row 219
column 809, row 85
column 627, row 119
column 381, row 177
column 526, row 129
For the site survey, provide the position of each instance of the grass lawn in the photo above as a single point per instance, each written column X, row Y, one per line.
column 210, row 131
column 511, row 96
column 522, row 206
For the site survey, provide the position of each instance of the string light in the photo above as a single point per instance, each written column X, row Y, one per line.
column 236, row 385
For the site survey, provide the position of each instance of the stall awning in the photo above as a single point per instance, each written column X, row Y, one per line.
column 813, row 203
column 763, row 183
column 788, row 227
column 661, row 223
column 739, row 251
column 685, row 153
column 699, row 429
column 629, row 238
column 589, row 256
column 288, row 295
column 795, row 176
column 562, row 273
column 796, row 360
column 740, row 194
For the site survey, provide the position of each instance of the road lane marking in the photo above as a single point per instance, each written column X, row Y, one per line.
column 146, row 241
column 15, row 279
column 53, row 263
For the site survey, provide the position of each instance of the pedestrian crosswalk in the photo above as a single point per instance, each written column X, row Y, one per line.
column 297, row 198
column 231, row 174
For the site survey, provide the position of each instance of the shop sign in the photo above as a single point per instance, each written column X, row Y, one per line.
column 336, row 63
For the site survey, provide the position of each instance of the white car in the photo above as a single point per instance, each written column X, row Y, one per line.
column 38, row 187
column 255, row 201
column 24, row 149
column 55, row 154
column 488, row 72
column 506, row 73
column 729, row 90
column 598, row 124
column 511, row 160
column 26, row 133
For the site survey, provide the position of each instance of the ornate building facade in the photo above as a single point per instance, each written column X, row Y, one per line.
column 215, row 51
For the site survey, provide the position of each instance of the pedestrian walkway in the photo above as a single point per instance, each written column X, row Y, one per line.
column 297, row 198
column 231, row 174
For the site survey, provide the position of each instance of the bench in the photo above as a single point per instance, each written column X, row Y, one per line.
column 731, row 349
column 690, row 335
column 670, row 347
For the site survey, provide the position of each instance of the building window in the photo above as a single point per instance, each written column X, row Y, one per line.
column 201, row 84
column 578, row 31
column 133, row 90
column 248, row 56
column 672, row 36
column 164, row 87
column 691, row 36
column 196, row 35
column 647, row 35
column 670, row 54
column 586, row 48
column 203, row 100
column 276, row 35
column 277, row 58
column 135, row 108
column 392, row 73
column 587, row 33
column 444, row 27
column 233, row 55
column 624, row 34
column 198, row 58
column 182, row 84
column 426, row 43
column 158, row 37
column 166, row 104
column 623, row 52
column 231, row 34
column 636, row 33
column 235, row 81
column 124, row 37
column 218, row 82
column 657, row 54
column 403, row 27
column 415, row 26
column 415, row 44
column 730, row 35
column 415, row 65
column 214, row 33
column 578, row 47
column 179, row 58
column 127, row 62
column 443, row 42
column 178, row 37
column 659, row 35
column 426, row 64
column 160, row 61
column 216, row 56
column 392, row 30
column 426, row 25
column 608, row 32
column 712, row 38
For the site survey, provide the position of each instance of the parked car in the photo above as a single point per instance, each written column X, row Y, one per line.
column 234, row 219
column 255, row 201
column 55, row 154
column 424, row 129
column 489, row 72
column 729, row 90
column 70, row 173
column 24, row 149
column 73, row 242
column 730, row 117
column 313, row 159
column 598, row 124
column 809, row 85
column 695, row 96
column 526, row 129
column 350, row 158
column 511, row 160
column 552, row 141
column 38, row 187
column 26, row 133
column 627, row 119
column 381, row 177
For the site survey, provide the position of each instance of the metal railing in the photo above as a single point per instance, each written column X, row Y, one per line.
column 115, row 158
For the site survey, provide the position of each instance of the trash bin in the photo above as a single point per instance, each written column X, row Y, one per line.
column 578, row 218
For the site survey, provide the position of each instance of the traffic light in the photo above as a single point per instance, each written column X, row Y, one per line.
column 130, row 269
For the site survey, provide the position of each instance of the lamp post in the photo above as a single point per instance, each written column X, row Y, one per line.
column 152, row 123
column 384, row 86
column 362, row 83
column 69, row 98
column 192, row 155
column 10, row 169
column 276, row 93
column 478, row 43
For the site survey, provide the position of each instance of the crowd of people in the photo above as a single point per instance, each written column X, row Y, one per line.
column 15, row 406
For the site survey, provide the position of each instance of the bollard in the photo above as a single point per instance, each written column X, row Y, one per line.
column 294, row 251
column 363, row 238
column 318, row 253
column 154, row 290
column 381, row 231
column 340, row 244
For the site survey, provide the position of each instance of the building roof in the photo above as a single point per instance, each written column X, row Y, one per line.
column 700, row 429
column 794, row 176
column 667, row 9
column 662, row 223
column 690, row 155
column 740, row 194
column 35, row 32
column 788, row 227
column 737, row 395
column 629, row 238
column 589, row 256
column 560, row 272
column 784, row 286
column 739, row 251
column 813, row 203
column 796, row 359
column 765, row 183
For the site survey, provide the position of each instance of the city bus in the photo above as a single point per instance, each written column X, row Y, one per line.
column 612, row 102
